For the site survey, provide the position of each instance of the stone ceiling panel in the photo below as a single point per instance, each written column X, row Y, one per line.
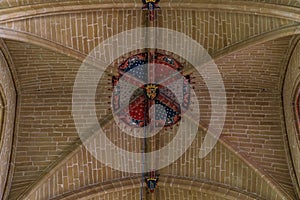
column 7, row 120
column 220, row 167
column 290, row 92
column 19, row 3
column 84, row 31
column 45, row 124
column 254, row 122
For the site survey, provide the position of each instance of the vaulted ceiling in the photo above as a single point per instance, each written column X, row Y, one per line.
column 255, row 46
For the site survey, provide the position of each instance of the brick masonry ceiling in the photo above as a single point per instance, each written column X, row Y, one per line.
column 255, row 46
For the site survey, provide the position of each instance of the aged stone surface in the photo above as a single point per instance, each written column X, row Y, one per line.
column 257, row 156
column 7, row 107
column 290, row 91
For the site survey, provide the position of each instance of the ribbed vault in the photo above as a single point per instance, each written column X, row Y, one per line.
column 251, row 41
column 291, row 105
column 7, row 118
column 170, row 188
